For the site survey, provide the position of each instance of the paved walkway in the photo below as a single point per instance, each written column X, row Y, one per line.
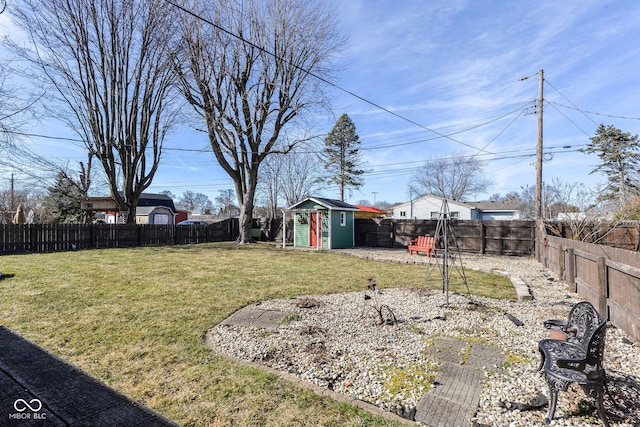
column 38, row 388
column 454, row 399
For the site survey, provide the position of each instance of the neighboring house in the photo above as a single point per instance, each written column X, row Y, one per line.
column 151, row 209
column 323, row 223
column 572, row 216
column 369, row 212
column 502, row 210
column 429, row 207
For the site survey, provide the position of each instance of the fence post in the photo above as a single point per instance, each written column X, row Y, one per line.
column 602, row 287
column 561, row 262
column 571, row 269
column 393, row 234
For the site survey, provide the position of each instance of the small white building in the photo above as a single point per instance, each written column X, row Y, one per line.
column 430, row 206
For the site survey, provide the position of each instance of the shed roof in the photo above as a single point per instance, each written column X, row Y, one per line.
column 151, row 199
column 145, row 200
column 328, row 203
column 370, row 209
column 147, row 210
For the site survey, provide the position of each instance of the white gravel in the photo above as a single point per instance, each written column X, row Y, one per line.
column 337, row 344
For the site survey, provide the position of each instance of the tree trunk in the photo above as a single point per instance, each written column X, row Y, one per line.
column 246, row 196
column 246, row 222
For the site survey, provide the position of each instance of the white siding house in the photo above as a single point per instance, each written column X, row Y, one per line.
column 429, row 207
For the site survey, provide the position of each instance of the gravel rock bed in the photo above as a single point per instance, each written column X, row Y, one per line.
column 334, row 341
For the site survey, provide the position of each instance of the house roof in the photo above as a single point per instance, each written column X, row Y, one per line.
column 328, row 203
column 488, row 206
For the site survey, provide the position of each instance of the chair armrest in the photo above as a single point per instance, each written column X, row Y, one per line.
column 573, row 364
column 556, row 324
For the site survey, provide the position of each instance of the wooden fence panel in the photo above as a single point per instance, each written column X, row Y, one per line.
column 492, row 237
column 157, row 235
column 15, row 238
column 622, row 235
column 21, row 238
column 189, row 234
column 223, row 230
column 128, row 235
column 105, row 236
column 586, row 275
column 374, row 233
column 607, row 277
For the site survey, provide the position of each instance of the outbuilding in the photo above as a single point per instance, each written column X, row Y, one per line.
column 155, row 209
column 151, row 209
column 323, row 223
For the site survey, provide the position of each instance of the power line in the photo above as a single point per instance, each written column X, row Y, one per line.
column 521, row 109
column 568, row 119
column 64, row 138
column 517, row 154
column 562, row 95
column 593, row 113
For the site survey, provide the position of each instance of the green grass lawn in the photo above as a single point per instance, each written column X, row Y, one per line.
column 136, row 318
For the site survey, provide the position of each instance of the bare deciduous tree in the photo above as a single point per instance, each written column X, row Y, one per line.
column 106, row 61
column 453, row 177
column 300, row 177
column 193, row 201
column 288, row 178
column 249, row 72
column 12, row 108
column 17, row 108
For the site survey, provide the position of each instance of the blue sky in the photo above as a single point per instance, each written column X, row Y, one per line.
column 455, row 68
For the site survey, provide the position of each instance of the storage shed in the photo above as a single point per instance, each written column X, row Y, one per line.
column 151, row 209
column 155, row 209
column 323, row 223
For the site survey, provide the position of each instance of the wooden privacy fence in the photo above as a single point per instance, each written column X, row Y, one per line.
column 482, row 237
column 23, row 238
column 617, row 234
column 607, row 277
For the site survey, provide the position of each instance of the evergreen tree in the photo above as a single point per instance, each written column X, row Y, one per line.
column 342, row 155
column 63, row 201
column 619, row 160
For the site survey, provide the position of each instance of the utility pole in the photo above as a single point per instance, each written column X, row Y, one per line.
column 12, row 196
column 539, row 156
